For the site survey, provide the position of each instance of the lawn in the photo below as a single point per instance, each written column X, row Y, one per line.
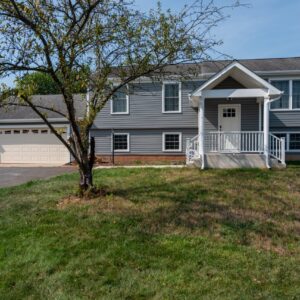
column 158, row 234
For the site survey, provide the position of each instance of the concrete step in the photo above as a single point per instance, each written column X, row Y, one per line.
column 232, row 161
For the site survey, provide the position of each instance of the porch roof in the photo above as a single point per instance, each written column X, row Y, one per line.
column 255, row 86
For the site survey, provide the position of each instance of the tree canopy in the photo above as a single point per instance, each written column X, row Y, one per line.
column 119, row 44
column 44, row 84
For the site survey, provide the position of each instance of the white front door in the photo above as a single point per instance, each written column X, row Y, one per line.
column 229, row 127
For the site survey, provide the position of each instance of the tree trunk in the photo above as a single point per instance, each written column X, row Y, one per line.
column 86, row 170
column 86, row 179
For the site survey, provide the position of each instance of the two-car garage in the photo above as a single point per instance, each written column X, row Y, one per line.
column 32, row 145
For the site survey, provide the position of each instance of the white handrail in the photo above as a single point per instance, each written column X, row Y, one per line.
column 192, row 149
column 277, row 148
column 235, row 142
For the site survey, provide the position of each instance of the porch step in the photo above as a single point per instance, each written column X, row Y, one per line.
column 234, row 160
column 275, row 164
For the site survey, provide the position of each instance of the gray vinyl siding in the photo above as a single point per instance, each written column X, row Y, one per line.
column 249, row 113
column 142, row 142
column 145, row 110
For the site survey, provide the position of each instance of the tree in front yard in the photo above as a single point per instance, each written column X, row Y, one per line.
column 58, row 39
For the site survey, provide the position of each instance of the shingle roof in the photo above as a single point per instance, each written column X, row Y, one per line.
column 255, row 65
column 51, row 101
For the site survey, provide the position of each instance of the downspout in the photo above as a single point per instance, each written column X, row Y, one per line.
column 269, row 101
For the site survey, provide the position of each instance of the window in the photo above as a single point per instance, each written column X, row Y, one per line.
column 7, row 132
column 283, row 102
column 294, row 143
column 121, row 142
column 17, row 131
column 229, row 113
column 171, row 97
column 172, row 141
column 296, row 94
column 44, row 131
column 291, row 97
column 25, row 131
column 120, row 103
column 35, row 131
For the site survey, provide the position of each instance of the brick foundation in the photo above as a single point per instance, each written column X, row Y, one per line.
column 141, row 159
column 292, row 157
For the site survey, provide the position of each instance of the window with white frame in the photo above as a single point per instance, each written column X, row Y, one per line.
column 291, row 94
column 172, row 141
column 294, row 141
column 171, row 97
column 284, row 101
column 296, row 94
column 120, row 102
column 121, row 142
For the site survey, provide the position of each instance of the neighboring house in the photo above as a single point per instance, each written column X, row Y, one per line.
column 227, row 114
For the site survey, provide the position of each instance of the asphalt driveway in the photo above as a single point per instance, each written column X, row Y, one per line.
column 10, row 176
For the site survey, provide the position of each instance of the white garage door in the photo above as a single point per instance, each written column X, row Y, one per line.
column 32, row 145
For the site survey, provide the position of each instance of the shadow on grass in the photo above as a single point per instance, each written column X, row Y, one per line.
column 246, row 205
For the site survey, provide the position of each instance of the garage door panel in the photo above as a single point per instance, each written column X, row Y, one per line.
column 32, row 147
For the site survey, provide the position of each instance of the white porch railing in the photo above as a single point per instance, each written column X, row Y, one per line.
column 277, row 148
column 235, row 142
column 192, row 149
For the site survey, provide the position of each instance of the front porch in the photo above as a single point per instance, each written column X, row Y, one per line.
column 233, row 122
column 243, row 149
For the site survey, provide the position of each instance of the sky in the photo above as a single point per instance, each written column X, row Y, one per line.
column 263, row 29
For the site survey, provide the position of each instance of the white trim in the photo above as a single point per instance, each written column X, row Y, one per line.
column 128, row 142
column 179, row 98
column 234, row 93
column 32, row 126
column 37, row 120
column 272, row 91
column 127, row 105
column 164, row 139
column 238, row 107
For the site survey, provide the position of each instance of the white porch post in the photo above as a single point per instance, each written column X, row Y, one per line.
column 266, row 129
column 201, row 129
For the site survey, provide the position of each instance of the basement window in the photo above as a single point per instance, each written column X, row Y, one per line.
column 172, row 142
column 294, row 141
column 121, row 142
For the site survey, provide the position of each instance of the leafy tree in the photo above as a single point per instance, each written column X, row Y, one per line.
column 43, row 83
column 118, row 43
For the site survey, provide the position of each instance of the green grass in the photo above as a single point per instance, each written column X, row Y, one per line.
column 159, row 234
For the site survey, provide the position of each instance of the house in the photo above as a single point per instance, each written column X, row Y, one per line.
column 225, row 114
column 229, row 114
